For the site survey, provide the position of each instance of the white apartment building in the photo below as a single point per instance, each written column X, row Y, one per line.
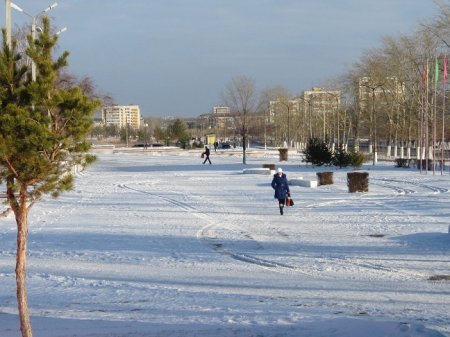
column 122, row 115
column 221, row 110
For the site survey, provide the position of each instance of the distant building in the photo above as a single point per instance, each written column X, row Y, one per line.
column 381, row 97
column 221, row 110
column 321, row 108
column 322, row 101
column 280, row 108
column 122, row 115
column 222, row 122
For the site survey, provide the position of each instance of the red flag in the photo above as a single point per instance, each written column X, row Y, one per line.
column 445, row 68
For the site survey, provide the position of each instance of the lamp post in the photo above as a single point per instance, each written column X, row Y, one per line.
column 8, row 22
column 307, row 115
column 33, row 28
column 62, row 30
column 287, row 102
column 334, row 95
column 145, row 136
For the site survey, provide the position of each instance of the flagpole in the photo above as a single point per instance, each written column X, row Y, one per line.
column 427, row 131
column 436, row 79
column 444, row 92
column 422, row 116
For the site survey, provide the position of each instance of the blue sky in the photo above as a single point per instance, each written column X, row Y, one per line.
column 174, row 57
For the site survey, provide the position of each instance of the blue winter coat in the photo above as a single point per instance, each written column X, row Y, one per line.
column 280, row 185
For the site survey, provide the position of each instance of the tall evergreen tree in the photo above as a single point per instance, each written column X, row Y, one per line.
column 43, row 132
column 178, row 131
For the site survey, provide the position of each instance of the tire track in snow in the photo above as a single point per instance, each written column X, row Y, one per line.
column 434, row 189
column 208, row 235
column 398, row 189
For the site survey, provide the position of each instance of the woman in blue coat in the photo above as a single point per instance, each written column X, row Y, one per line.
column 281, row 187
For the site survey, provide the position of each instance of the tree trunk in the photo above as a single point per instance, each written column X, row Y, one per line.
column 22, row 238
column 244, row 148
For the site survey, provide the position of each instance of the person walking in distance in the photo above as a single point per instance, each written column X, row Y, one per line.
column 206, row 154
column 281, row 187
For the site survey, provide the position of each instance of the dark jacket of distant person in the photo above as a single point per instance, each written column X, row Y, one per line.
column 280, row 185
column 206, row 154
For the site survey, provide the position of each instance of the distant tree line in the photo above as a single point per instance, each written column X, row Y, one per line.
column 167, row 132
column 382, row 98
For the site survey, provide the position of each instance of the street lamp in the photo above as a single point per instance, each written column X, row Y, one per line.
column 145, row 135
column 62, row 30
column 8, row 22
column 33, row 29
column 309, row 117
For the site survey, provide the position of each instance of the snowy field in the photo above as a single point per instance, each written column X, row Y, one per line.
column 163, row 246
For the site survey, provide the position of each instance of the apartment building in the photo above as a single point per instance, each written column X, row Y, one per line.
column 321, row 109
column 320, row 101
column 122, row 115
column 283, row 107
column 380, row 96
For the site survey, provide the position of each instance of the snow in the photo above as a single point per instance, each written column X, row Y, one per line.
column 157, row 244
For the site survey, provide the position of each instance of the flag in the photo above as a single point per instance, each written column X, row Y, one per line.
column 436, row 77
column 445, row 68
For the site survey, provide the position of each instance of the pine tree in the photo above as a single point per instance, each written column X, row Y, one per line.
column 317, row 152
column 43, row 132
column 178, row 131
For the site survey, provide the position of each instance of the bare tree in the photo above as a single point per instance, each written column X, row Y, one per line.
column 439, row 28
column 87, row 86
column 240, row 95
column 278, row 105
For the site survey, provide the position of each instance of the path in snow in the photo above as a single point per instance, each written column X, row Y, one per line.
column 162, row 239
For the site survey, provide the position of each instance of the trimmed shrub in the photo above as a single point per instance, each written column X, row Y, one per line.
column 439, row 278
column 283, row 154
column 402, row 162
column 269, row 166
column 317, row 152
column 358, row 182
column 423, row 163
column 325, row 178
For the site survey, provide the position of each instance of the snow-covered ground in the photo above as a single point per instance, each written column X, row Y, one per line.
column 160, row 245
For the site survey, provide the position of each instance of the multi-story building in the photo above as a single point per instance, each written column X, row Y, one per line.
column 320, row 107
column 221, row 110
column 282, row 108
column 380, row 103
column 283, row 120
column 379, row 96
column 322, row 101
column 122, row 115
column 222, row 122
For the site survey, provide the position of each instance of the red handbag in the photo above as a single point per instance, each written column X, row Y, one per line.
column 289, row 201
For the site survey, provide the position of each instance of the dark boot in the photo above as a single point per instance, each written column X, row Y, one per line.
column 281, row 209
